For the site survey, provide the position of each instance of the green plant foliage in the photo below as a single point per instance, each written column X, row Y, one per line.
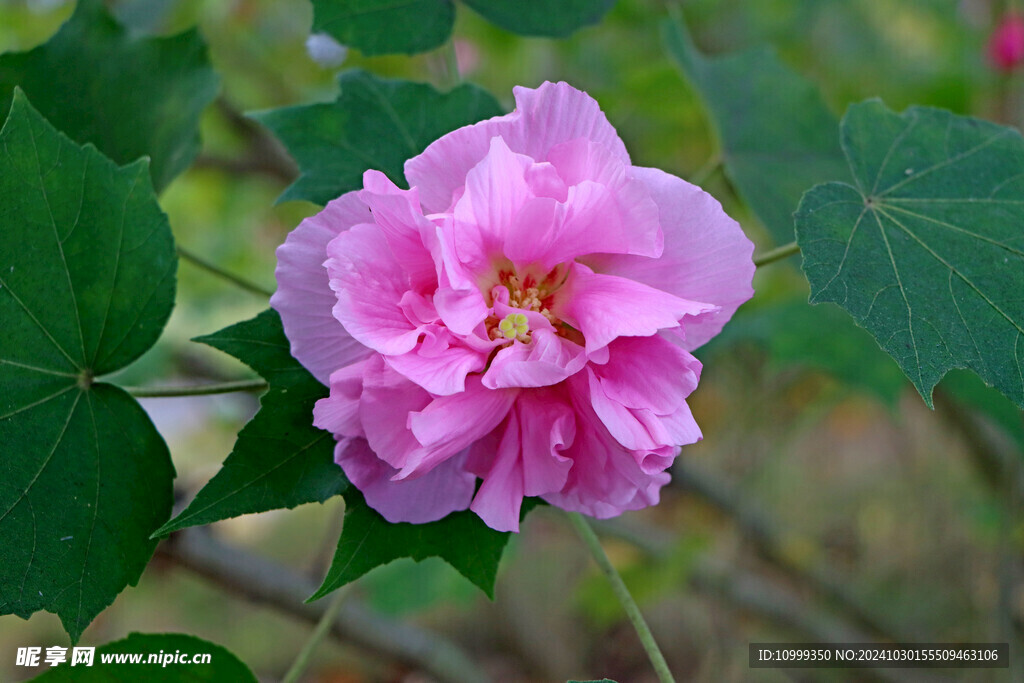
column 377, row 27
column 129, row 97
column 926, row 252
column 777, row 137
column 368, row 540
column 375, row 123
column 87, row 279
column 280, row 459
column 541, row 17
column 818, row 337
column 223, row 665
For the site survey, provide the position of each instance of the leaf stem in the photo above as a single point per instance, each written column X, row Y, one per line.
column 586, row 532
column 198, row 390
column 220, row 272
column 323, row 627
column 451, row 62
column 777, row 254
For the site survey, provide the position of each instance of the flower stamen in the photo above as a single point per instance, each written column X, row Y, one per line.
column 515, row 326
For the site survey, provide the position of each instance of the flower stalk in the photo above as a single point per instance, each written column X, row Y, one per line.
column 586, row 533
column 199, row 390
column 777, row 254
column 323, row 627
column 221, row 273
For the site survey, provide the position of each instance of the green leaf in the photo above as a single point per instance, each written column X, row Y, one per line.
column 777, row 137
column 818, row 337
column 927, row 251
column 222, row 664
column 280, row 459
column 368, row 540
column 378, row 27
column 87, row 268
column 374, row 123
column 542, row 17
column 129, row 97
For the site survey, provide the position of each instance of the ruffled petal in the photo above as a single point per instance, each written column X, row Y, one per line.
column 528, row 460
column 706, row 258
column 398, row 214
column 451, row 423
column 439, row 365
column 386, row 401
column 446, row 489
column 546, row 360
column 304, row 298
column 605, row 307
column 552, row 114
column 369, row 284
column 339, row 412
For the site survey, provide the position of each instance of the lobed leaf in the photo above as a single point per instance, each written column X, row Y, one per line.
column 926, row 251
column 777, row 137
column 368, row 540
column 131, row 97
column 280, row 459
column 87, row 280
column 374, row 123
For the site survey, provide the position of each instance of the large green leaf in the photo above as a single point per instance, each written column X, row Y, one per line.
column 374, row 123
column 777, row 137
column 280, row 459
column 173, row 662
column 376, row 27
column 368, row 540
column 926, row 252
column 542, row 17
column 87, row 270
column 129, row 97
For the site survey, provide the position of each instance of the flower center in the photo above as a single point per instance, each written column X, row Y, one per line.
column 515, row 326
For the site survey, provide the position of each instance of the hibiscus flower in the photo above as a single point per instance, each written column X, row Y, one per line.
column 523, row 315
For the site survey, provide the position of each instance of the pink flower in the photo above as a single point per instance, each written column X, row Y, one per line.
column 1006, row 46
column 523, row 315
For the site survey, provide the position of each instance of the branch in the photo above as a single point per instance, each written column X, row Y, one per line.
column 266, row 582
column 198, row 389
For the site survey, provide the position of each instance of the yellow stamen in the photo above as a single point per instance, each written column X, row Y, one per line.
column 514, row 326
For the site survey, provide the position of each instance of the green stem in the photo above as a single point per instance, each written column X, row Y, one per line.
column 219, row 272
column 199, row 390
column 323, row 627
column 777, row 254
column 451, row 62
column 586, row 532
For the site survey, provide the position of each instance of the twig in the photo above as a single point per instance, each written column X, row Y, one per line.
column 592, row 543
column 220, row 272
column 266, row 154
column 305, row 656
column 777, row 254
column 267, row 582
column 197, row 390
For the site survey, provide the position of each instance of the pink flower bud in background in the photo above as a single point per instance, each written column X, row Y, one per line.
column 1006, row 46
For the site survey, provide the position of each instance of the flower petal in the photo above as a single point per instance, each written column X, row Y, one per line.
column 707, row 257
column 528, row 460
column 398, row 214
column 339, row 412
column 369, row 284
column 451, row 423
column 446, row 489
column 605, row 307
column 441, row 372
column 547, row 359
column 551, row 114
column 386, row 401
column 304, row 298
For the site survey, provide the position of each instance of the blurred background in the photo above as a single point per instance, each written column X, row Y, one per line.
column 826, row 502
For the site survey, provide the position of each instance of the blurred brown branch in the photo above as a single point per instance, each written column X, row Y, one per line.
column 264, row 154
column 264, row 581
